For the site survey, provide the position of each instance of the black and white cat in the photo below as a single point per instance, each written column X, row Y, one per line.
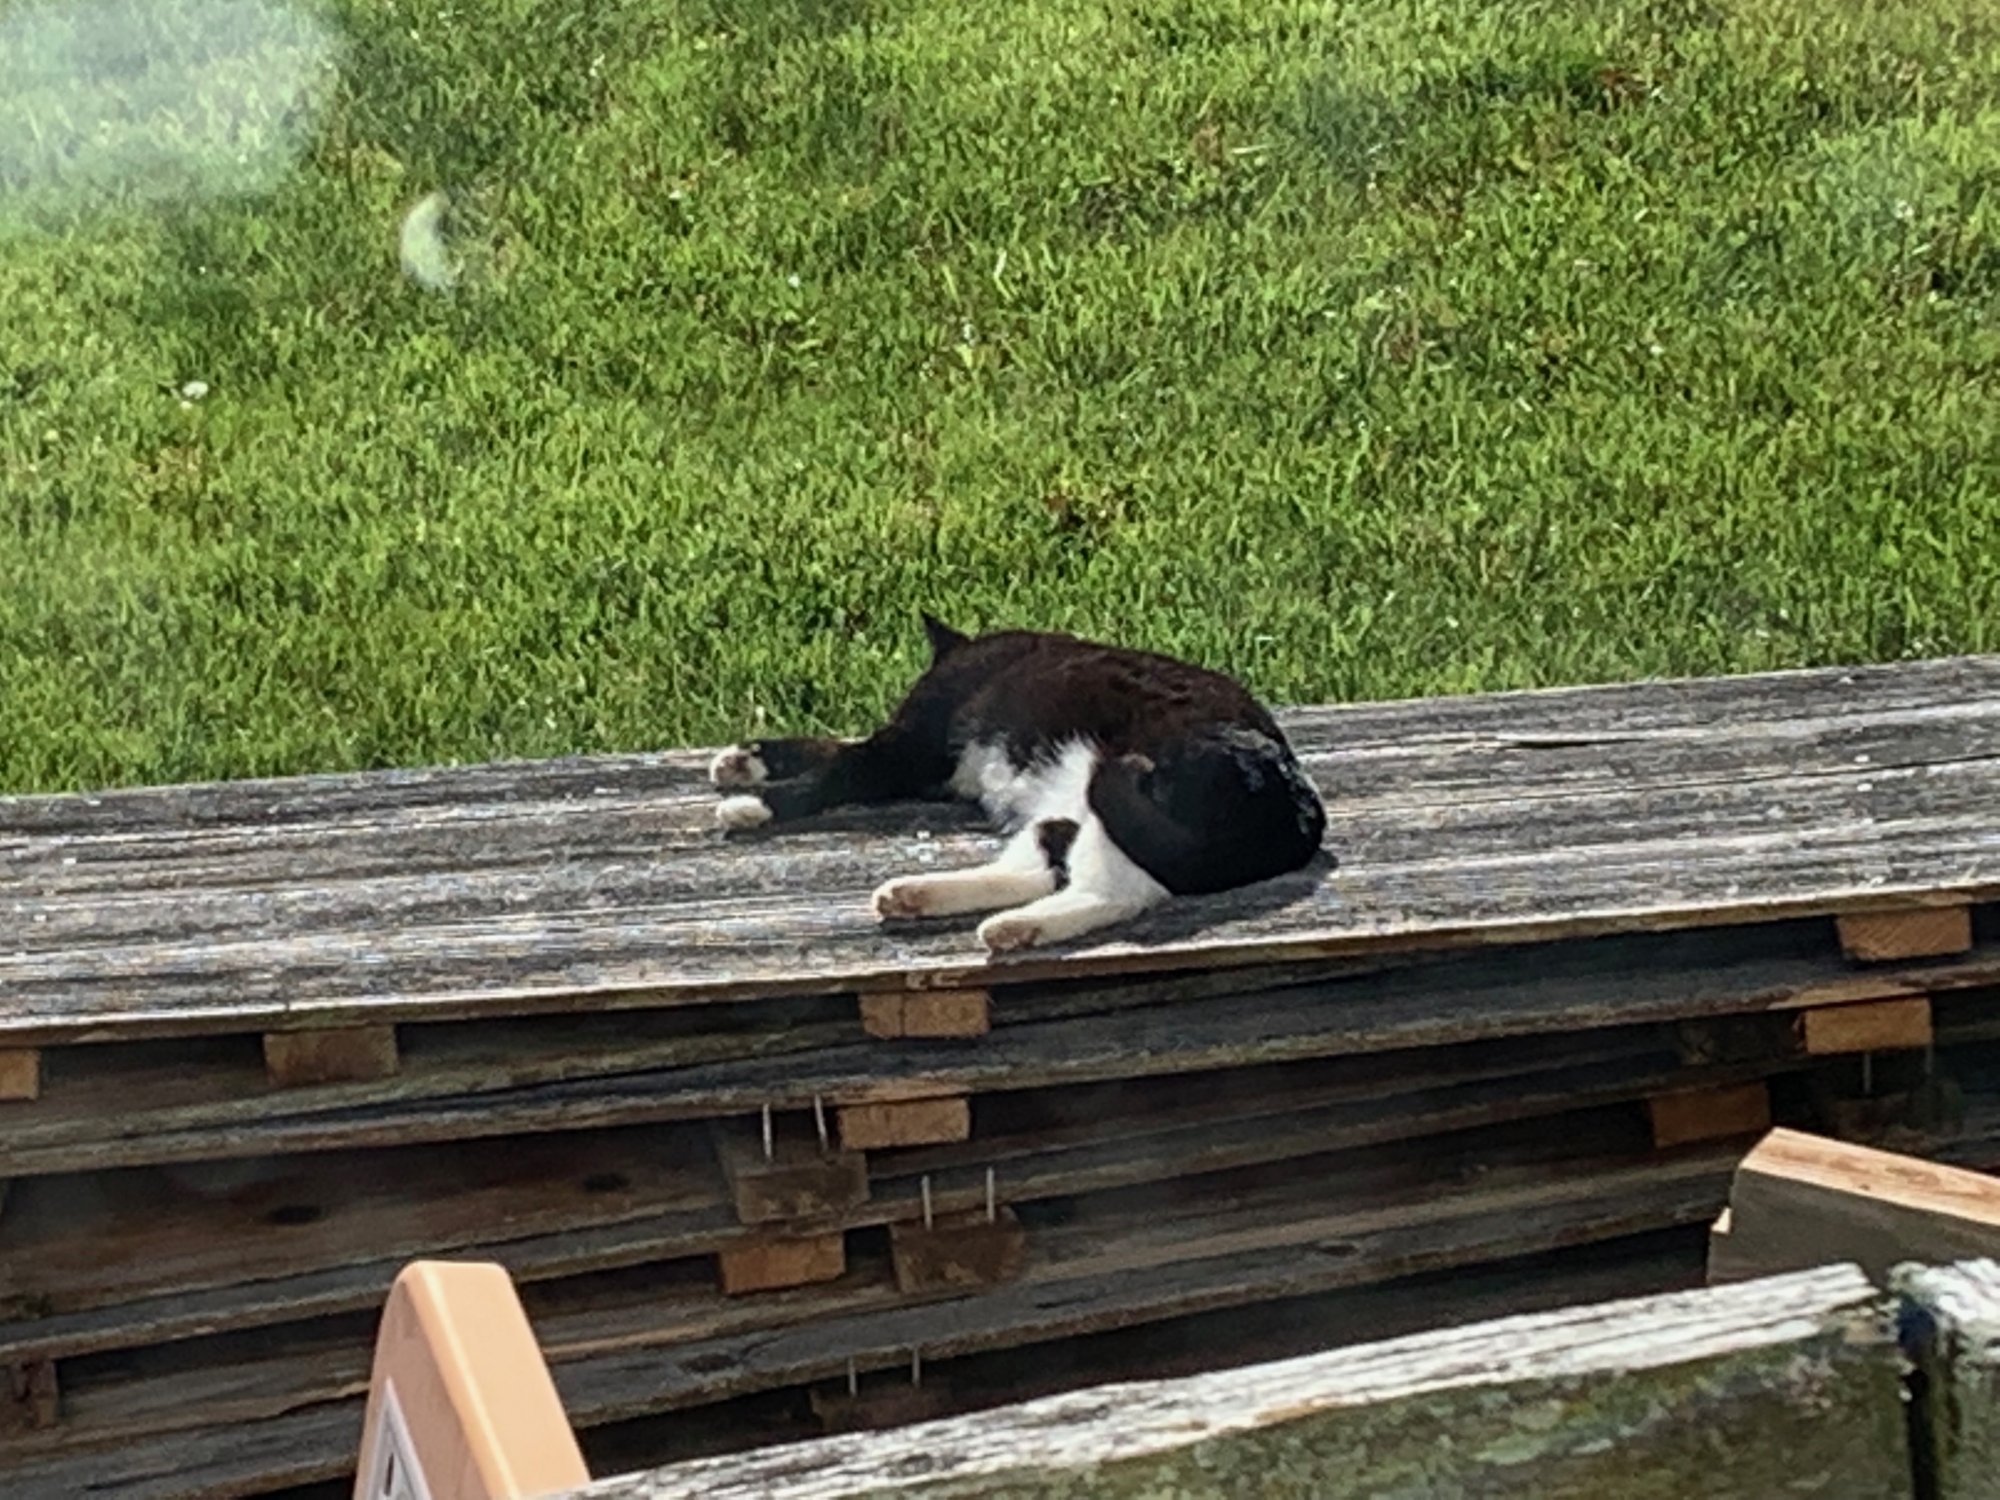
column 1124, row 777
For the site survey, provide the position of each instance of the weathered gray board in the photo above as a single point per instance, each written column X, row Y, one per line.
column 1958, row 1349
column 1791, row 1385
column 596, row 883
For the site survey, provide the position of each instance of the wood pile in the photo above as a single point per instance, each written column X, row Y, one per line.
column 264, row 1043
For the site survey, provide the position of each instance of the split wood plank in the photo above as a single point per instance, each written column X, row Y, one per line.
column 1707, row 1114
column 20, row 1073
column 905, row 1122
column 1641, row 980
column 921, row 1013
column 1803, row 1200
column 1790, row 1384
column 1957, row 1348
column 775, row 1262
column 339, row 1054
column 1874, row 1026
column 801, row 1178
column 1918, row 932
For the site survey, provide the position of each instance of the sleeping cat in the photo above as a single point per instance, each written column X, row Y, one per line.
column 1124, row 777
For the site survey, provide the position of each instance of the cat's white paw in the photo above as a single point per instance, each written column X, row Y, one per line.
column 738, row 766
column 742, row 812
column 1008, row 932
column 901, row 898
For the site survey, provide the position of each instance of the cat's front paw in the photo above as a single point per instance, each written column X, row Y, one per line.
column 1009, row 932
column 901, row 898
column 738, row 766
column 742, row 812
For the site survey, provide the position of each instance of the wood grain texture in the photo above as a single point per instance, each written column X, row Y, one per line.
column 1116, row 1266
column 1708, row 1114
column 1634, row 980
column 376, row 899
column 800, row 1179
column 1926, row 932
column 897, row 1013
column 1801, row 1200
column 958, row 1252
column 775, row 1262
column 339, row 1054
column 225, row 1249
column 1874, row 1026
column 1957, row 1346
column 905, row 1122
column 1789, row 1385
column 20, row 1074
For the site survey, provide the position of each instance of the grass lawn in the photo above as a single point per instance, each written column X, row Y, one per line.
column 1366, row 349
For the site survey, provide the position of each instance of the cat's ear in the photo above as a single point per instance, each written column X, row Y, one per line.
column 944, row 640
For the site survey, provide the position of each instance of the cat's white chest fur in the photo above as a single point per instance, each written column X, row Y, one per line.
column 1010, row 794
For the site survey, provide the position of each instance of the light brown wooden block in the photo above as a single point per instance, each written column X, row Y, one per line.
column 770, row 1264
column 958, row 1252
column 797, row 1181
column 1876, row 1026
column 1709, row 1114
column 343, row 1054
column 921, row 1013
column 1801, row 1200
column 461, row 1401
column 20, row 1073
column 1925, row 932
column 905, row 1122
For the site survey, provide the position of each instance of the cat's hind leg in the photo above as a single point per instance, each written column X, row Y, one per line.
column 1105, row 887
column 1032, row 863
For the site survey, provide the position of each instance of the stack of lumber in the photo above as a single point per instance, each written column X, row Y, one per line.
column 263, row 1043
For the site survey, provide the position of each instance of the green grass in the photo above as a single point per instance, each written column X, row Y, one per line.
column 1365, row 349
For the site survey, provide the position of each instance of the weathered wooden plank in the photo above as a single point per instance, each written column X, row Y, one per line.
column 1791, row 1384
column 1924, row 932
column 1801, row 1200
column 1715, row 1112
column 343, row 1054
column 1873, row 832
column 1873, row 1026
column 1635, row 980
column 1957, row 1347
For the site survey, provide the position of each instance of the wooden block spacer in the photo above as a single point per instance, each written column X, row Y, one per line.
column 927, row 1013
column 35, row 1393
column 1921, row 932
column 1709, row 1114
column 20, row 1073
column 1872, row 1026
column 335, row 1054
column 905, row 1122
column 958, row 1252
column 765, row 1265
column 800, row 1179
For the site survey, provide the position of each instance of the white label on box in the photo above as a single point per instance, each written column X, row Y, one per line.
column 397, row 1474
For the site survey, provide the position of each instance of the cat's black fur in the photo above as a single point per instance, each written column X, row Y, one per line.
column 1195, row 781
